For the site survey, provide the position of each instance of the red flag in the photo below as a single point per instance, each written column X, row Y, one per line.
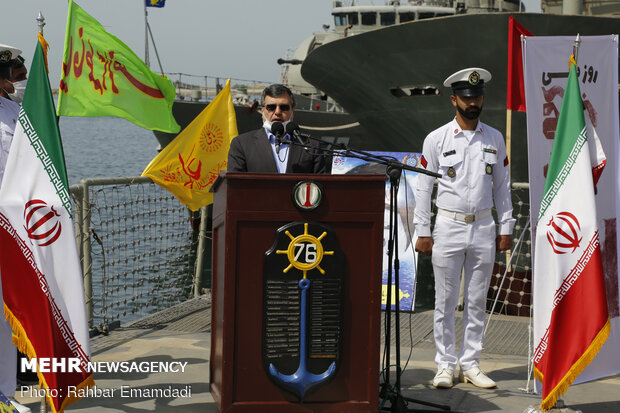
column 515, row 90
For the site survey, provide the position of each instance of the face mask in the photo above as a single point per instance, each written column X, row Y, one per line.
column 20, row 89
column 267, row 124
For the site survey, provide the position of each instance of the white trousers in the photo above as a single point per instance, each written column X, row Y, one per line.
column 467, row 248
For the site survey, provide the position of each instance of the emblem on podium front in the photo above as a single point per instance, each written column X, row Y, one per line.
column 307, row 195
column 303, row 307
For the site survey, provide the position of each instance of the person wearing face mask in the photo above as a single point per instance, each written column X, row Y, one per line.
column 471, row 157
column 9, row 112
column 19, row 78
column 261, row 151
column 8, row 54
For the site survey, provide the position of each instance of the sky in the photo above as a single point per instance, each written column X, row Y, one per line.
column 240, row 39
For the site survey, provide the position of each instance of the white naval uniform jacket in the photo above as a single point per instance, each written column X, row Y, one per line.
column 480, row 175
column 9, row 112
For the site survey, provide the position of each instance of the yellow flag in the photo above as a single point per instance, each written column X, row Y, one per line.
column 189, row 165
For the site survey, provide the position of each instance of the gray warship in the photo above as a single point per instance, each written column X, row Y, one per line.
column 317, row 113
column 391, row 78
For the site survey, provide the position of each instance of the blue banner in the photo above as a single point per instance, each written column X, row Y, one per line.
column 155, row 3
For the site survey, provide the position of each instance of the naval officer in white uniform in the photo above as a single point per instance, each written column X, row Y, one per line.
column 471, row 157
column 9, row 112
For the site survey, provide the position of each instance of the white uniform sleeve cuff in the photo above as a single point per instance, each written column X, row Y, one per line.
column 423, row 230
column 505, row 228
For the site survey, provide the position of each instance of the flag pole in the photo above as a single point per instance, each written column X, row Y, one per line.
column 508, row 147
column 146, row 37
column 576, row 48
column 508, row 137
column 40, row 22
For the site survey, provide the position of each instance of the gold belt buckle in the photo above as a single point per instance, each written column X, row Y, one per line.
column 470, row 218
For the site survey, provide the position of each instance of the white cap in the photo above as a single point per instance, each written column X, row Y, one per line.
column 8, row 53
column 468, row 82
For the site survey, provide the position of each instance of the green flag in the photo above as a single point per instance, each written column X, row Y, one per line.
column 101, row 76
column 42, row 283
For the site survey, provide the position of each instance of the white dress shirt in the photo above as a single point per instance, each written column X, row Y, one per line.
column 474, row 169
column 281, row 157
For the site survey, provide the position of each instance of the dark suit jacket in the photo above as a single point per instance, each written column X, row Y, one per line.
column 251, row 152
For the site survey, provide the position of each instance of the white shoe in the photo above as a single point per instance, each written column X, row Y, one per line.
column 444, row 379
column 476, row 377
column 20, row 407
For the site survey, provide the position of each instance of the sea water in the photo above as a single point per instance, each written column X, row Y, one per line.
column 110, row 148
column 105, row 147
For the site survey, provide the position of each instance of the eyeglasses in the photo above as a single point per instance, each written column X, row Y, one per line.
column 285, row 107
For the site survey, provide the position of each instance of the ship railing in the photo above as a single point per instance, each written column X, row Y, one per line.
column 510, row 292
column 139, row 249
column 140, row 254
column 201, row 88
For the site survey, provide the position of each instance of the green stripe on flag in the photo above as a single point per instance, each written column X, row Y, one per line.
column 558, row 182
column 571, row 129
column 38, row 118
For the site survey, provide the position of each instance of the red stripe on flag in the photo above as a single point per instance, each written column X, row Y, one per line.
column 423, row 161
column 574, row 335
column 515, row 88
column 597, row 171
column 28, row 303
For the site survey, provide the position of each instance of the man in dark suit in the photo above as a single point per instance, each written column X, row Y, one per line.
column 257, row 150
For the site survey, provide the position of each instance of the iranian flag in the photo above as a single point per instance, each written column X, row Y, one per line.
column 41, row 276
column 571, row 322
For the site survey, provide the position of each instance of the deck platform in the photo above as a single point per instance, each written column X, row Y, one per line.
column 182, row 333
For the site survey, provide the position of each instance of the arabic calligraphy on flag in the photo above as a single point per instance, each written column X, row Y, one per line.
column 189, row 165
column 101, row 76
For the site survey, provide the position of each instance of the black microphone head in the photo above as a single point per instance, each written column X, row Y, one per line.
column 292, row 127
column 277, row 128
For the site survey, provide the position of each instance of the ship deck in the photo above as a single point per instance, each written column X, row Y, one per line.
column 182, row 333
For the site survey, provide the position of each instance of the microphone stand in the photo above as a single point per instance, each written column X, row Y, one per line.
column 394, row 170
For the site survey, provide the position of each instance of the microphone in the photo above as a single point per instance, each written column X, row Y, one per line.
column 277, row 129
column 293, row 130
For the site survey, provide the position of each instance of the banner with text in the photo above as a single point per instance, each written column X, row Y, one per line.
column 545, row 75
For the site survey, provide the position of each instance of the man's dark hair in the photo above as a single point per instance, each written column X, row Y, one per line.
column 275, row 91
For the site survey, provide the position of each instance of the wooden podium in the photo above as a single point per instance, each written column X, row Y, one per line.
column 248, row 211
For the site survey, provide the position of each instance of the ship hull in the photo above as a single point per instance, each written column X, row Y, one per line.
column 334, row 127
column 364, row 74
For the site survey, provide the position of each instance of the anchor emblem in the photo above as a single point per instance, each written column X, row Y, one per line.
column 303, row 308
column 302, row 380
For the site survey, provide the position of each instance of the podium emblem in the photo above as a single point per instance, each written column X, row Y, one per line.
column 307, row 195
column 303, row 307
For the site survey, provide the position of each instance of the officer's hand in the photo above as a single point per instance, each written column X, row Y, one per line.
column 424, row 245
column 503, row 242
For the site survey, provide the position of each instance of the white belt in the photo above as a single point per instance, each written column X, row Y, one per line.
column 457, row 216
